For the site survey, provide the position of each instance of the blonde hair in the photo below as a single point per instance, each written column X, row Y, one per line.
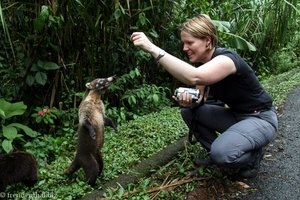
column 201, row 26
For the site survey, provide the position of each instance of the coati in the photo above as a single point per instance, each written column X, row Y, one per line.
column 18, row 167
column 92, row 119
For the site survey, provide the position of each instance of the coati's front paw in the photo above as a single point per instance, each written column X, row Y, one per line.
column 111, row 123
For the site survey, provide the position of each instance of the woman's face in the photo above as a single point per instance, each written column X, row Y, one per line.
column 195, row 48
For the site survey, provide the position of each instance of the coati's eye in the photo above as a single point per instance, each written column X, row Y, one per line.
column 100, row 81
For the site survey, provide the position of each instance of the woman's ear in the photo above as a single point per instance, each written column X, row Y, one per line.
column 208, row 43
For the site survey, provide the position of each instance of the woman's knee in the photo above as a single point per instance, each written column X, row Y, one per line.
column 230, row 155
column 223, row 155
column 218, row 156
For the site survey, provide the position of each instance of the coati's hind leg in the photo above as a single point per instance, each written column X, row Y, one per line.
column 91, row 169
column 30, row 182
column 99, row 161
column 110, row 122
column 90, row 128
column 2, row 186
column 73, row 167
column 32, row 178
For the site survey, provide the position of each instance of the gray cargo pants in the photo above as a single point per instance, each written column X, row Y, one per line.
column 240, row 134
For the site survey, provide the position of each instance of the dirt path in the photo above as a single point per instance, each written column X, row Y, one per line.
column 279, row 177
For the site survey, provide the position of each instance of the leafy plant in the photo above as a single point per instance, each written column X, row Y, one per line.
column 135, row 97
column 234, row 41
column 9, row 132
column 53, row 120
column 38, row 72
column 44, row 115
column 146, row 98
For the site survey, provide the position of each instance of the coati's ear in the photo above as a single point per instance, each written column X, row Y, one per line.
column 88, row 86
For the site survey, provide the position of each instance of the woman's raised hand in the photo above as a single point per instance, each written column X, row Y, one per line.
column 139, row 39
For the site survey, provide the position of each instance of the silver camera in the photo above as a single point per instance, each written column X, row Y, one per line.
column 195, row 93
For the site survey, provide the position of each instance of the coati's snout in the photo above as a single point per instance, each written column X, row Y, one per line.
column 99, row 83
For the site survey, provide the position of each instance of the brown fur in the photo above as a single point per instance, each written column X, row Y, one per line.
column 91, row 132
column 18, row 167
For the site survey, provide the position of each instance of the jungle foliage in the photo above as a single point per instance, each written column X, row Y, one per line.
column 51, row 48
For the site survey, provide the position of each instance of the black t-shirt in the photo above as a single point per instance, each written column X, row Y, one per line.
column 241, row 91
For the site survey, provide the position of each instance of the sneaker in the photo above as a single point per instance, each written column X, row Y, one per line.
column 203, row 162
column 252, row 171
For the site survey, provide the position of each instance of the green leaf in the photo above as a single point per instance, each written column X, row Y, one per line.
column 26, row 129
column 122, row 9
column 137, row 72
column 241, row 43
column 39, row 120
column 41, row 78
column 50, row 66
column 39, row 24
column 132, row 100
column 79, row 3
column 154, row 34
column 12, row 109
column 117, row 14
column 123, row 116
column 35, row 67
column 222, row 26
column 50, row 120
column 2, row 114
column 79, row 94
column 132, row 74
column 7, row 145
column 142, row 19
column 30, row 80
column 120, row 191
column 47, row 65
column 10, row 132
column 45, row 120
column 155, row 98
column 44, row 12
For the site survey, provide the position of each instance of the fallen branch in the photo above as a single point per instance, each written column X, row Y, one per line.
column 169, row 186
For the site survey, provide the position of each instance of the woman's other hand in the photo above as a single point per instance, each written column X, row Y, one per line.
column 185, row 100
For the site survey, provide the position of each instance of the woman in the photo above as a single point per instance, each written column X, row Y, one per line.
column 246, row 124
